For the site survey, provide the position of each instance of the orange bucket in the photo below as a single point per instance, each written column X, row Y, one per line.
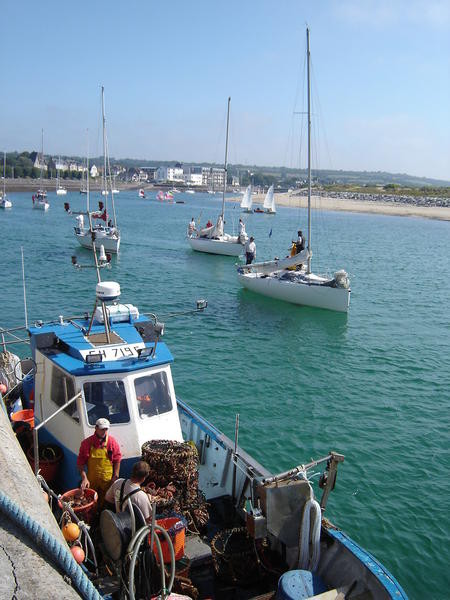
column 176, row 528
column 86, row 511
column 26, row 415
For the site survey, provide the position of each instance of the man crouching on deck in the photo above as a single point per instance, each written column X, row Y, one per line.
column 101, row 454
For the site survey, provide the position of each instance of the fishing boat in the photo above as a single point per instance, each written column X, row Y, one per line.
column 4, row 201
column 40, row 201
column 107, row 231
column 213, row 239
column 246, row 202
column 141, row 193
column 247, row 532
column 291, row 279
column 60, row 190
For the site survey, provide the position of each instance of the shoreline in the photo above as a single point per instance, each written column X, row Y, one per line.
column 369, row 206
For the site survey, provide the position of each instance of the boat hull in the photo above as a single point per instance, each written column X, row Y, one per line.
column 110, row 244
column 210, row 246
column 318, row 296
column 38, row 205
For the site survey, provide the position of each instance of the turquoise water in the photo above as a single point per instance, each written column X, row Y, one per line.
column 373, row 385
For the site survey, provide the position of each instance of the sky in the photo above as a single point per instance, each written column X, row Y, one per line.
column 380, row 81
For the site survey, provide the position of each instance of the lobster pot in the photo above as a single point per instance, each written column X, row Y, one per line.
column 234, row 556
column 171, row 461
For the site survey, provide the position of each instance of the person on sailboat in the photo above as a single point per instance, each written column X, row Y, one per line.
column 122, row 489
column 300, row 243
column 101, row 454
column 191, row 227
column 250, row 251
column 242, row 232
column 209, row 224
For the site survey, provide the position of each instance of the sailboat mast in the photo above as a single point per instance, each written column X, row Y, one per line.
column 4, row 174
column 308, row 57
column 42, row 156
column 88, row 208
column 105, row 188
column 225, row 163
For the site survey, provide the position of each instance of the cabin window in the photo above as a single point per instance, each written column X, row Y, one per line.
column 153, row 395
column 62, row 389
column 106, row 399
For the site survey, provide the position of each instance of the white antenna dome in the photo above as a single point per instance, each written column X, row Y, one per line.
column 107, row 290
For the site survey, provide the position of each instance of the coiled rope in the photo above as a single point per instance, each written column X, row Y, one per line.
column 52, row 547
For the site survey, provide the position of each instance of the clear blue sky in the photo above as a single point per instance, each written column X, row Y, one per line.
column 381, row 75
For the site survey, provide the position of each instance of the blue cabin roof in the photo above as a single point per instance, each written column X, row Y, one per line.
column 67, row 345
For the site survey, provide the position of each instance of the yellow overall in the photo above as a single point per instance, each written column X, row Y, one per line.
column 100, row 471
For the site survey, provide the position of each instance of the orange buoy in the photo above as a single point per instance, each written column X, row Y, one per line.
column 70, row 531
column 3, row 388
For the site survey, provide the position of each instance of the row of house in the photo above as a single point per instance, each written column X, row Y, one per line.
column 189, row 175
column 210, row 177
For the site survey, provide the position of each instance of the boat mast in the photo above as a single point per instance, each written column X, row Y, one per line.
column 88, row 208
column 42, row 158
column 105, row 188
column 308, row 58
column 225, row 164
column 4, row 174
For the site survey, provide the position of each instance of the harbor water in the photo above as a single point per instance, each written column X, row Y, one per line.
column 372, row 385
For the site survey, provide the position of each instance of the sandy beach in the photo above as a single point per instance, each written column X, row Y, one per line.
column 371, row 207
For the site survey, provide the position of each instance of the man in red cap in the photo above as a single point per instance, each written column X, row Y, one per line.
column 101, row 454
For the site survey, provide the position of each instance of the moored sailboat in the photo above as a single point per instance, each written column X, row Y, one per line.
column 269, row 202
column 213, row 239
column 108, row 232
column 40, row 201
column 60, row 190
column 4, row 201
column 296, row 283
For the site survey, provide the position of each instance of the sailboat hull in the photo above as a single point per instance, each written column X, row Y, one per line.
column 41, row 205
column 221, row 246
column 61, row 192
column 110, row 244
column 306, row 294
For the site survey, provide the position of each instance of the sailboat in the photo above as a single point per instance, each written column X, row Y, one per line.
column 213, row 239
column 289, row 279
column 108, row 235
column 60, row 190
column 40, row 198
column 141, row 193
column 4, row 201
column 246, row 202
column 269, row 202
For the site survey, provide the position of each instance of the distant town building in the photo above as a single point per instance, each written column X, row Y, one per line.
column 169, row 174
column 213, row 178
column 94, row 172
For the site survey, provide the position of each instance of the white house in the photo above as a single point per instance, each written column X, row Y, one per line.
column 169, row 174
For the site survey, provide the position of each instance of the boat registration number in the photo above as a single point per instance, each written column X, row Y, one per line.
column 115, row 352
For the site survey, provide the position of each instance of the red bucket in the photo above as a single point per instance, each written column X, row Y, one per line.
column 84, row 512
column 26, row 415
column 50, row 457
column 176, row 528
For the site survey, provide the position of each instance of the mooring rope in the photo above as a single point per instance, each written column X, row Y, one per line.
column 57, row 551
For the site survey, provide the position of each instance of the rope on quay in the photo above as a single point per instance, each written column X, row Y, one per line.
column 52, row 547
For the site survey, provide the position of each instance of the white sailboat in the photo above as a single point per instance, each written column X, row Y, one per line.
column 4, row 201
column 213, row 239
column 108, row 235
column 60, row 190
column 289, row 279
column 246, row 202
column 40, row 201
column 269, row 202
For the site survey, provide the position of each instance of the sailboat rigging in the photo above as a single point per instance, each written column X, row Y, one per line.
column 108, row 234
column 40, row 201
column 213, row 239
column 60, row 190
column 288, row 279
